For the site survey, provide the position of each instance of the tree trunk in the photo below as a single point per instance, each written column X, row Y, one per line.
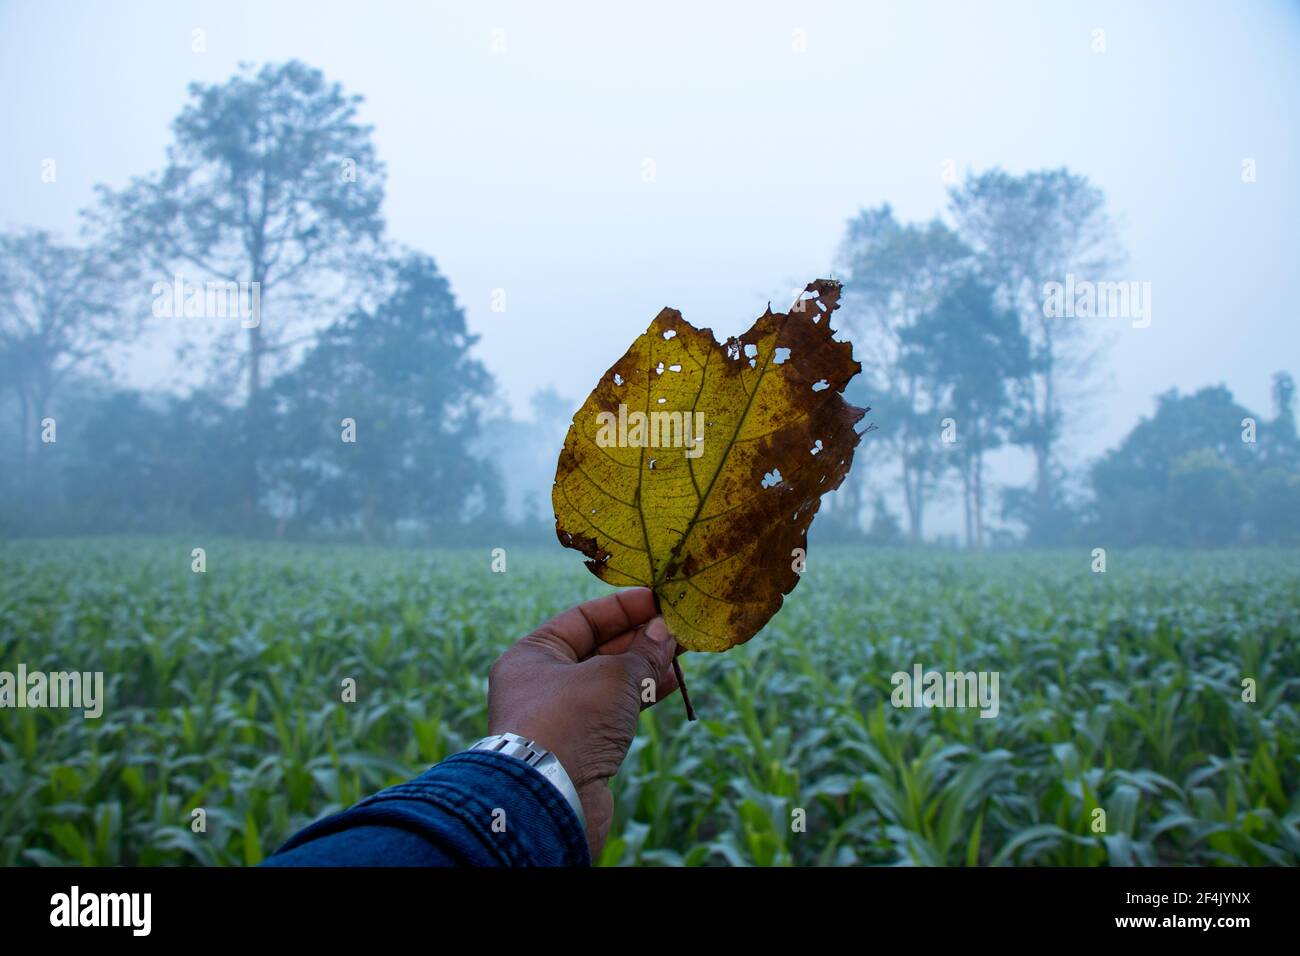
column 27, row 438
column 256, row 349
column 967, row 500
column 1043, row 478
column 851, row 502
column 913, row 476
column 1047, row 437
column 38, row 403
column 908, row 498
column 252, row 408
column 914, row 492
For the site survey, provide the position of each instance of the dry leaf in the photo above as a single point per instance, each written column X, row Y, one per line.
column 696, row 468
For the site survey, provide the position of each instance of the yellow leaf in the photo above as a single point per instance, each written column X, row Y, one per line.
column 695, row 468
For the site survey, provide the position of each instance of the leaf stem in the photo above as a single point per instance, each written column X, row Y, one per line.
column 681, row 683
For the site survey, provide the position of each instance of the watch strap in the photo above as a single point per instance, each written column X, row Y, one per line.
column 541, row 760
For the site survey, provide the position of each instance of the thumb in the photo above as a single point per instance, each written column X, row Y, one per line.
column 651, row 652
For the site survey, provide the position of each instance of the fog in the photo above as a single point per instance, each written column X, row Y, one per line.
column 572, row 174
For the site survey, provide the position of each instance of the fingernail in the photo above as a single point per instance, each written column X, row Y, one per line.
column 657, row 631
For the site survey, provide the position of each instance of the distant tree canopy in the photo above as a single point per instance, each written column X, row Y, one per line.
column 962, row 355
column 375, row 426
column 973, row 359
column 897, row 272
column 270, row 180
column 909, row 297
column 137, row 462
column 1026, row 231
column 372, row 431
column 60, row 312
column 351, row 403
column 1203, row 471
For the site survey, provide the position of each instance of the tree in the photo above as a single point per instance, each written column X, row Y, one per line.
column 972, row 357
column 1283, row 414
column 270, row 181
column 60, row 310
column 895, row 273
column 1026, row 231
column 1275, row 516
column 884, row 529
column 1275, row 507
column 1182, row 477
column 525, row 452
column 400, row 380
column 154, row 462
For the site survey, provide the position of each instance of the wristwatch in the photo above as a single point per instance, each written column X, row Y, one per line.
column 541, row 760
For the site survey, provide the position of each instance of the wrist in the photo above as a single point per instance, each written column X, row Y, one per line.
column 540, row 759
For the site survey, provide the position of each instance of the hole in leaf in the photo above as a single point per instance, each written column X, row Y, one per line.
column 652, row 464
column 751, row 350
column 674, row 368
column 661, row 400
column 660, row 369
column 670, row 333
column 618, row 379
column 821, row 386
column 780, row 356
column 817, row 446
column 773, row 477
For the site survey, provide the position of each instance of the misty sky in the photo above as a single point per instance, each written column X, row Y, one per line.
column 522, row 170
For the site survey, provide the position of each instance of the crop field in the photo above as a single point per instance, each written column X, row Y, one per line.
column 1119, row 692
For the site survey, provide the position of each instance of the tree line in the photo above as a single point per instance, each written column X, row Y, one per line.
column 968, row 347
column 332, row 386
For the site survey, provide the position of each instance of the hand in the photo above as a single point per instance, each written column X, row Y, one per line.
column 576, row 685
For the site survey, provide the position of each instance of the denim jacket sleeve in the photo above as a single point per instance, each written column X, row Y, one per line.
column 473, row 809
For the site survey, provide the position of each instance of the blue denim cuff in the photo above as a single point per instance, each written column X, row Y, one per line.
column 473, row 809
